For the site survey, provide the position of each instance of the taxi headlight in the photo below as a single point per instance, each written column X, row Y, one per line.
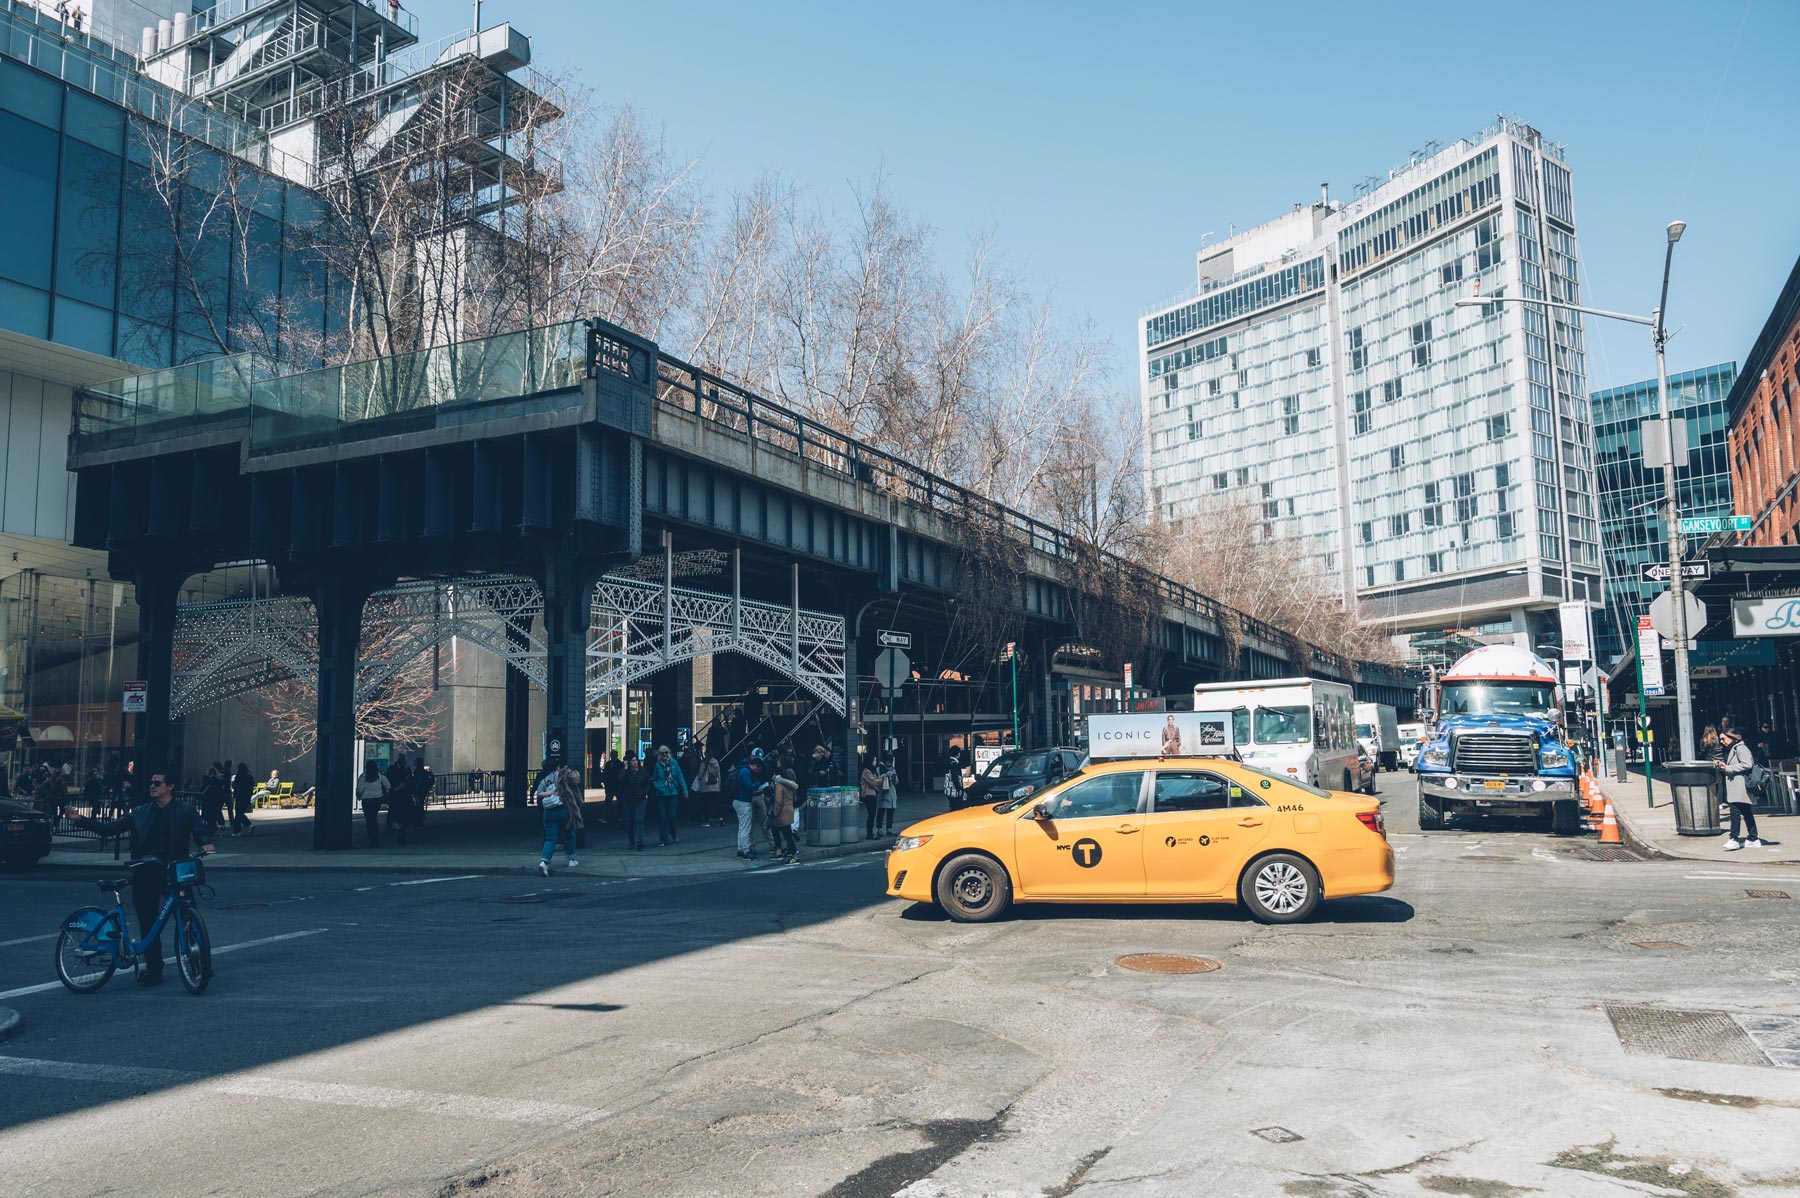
column 911, row 842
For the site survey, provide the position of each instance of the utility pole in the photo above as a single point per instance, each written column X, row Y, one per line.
column 1684, row 700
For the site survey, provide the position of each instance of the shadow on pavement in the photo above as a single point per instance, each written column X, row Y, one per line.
column 1363, row 909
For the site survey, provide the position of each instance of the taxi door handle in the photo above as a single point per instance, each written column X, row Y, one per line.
column 1126, row 829
column 1249, row 823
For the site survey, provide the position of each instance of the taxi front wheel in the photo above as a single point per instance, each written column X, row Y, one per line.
column 1280, row 888
column 973, row 889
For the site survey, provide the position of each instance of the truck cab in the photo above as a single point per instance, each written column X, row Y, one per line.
column 1498, row 747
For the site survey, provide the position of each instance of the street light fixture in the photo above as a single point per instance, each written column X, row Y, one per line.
column 1659, row 333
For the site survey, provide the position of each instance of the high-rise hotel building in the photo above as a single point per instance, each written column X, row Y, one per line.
column 1433, row 463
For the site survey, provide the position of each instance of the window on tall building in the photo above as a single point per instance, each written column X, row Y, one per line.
column 1400, row 525
column 1358, row 357
column 1400, row 570
column 1243, row 476
column 1391, row 390
column 1465, row 485
column 1193, row 430
column 1502, row 475
column 1313, row 357
column 1506, row 525
column 1171, row 381
column 1434, row 563
column 1467, row 509
column 1453, row 272
column 1272, row 510
column 1421, row 340
column 1487, row 243
column 1213, row 386
column 1268, row 489
column 1368, row 532
column 1221, row 480
column 1498, row 427
column 1369, row 576
column 1396, row 457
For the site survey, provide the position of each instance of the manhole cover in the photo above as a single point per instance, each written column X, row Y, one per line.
column 1277, row 1135
column 1768, row 894
column 1166, row 963
column 1687, row 1035
column 1657, row 944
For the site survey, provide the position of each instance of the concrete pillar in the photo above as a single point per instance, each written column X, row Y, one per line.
column 339, row 603
column 515, row 755
column 158, row 590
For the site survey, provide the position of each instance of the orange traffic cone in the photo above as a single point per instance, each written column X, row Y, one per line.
column 1609, row 827
column 1595, row 800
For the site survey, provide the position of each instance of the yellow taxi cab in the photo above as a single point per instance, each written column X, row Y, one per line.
column 1174, row 829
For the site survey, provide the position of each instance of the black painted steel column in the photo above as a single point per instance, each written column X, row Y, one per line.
column 568, row 610
column 515, row 759
column 339, row 603
column 158, row 590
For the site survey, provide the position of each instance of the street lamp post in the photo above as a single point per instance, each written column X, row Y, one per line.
column 1684, row 706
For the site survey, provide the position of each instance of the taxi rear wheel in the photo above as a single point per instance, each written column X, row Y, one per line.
column 1280, row 888
column 973, row 889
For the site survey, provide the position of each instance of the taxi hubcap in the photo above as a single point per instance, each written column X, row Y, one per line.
column 1280, row 887
column 972, row 887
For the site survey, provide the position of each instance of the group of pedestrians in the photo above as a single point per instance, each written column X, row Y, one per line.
column 403, row 790
column 224, row 789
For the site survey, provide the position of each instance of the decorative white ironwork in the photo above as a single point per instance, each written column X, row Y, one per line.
column 237, row 646
column 639, row 629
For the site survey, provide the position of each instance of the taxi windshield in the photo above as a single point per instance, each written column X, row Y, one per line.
column 1019, row 765
column 1283, row 725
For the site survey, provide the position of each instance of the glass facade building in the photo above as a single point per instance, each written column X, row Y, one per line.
column 1432, row 463
column 1631, row 497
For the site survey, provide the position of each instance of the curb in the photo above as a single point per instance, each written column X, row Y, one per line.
column 702, row 868
column 10, row 1022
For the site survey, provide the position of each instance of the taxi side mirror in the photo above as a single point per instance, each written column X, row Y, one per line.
column 1044, row 813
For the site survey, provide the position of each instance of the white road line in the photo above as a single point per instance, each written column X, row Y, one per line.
column 28, row 939
column 228, row 948
column 429, row 881
column 1720, row 877
column 250, row 1085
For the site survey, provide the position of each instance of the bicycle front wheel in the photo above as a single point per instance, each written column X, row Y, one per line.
column 193, row 951
column 85, row 946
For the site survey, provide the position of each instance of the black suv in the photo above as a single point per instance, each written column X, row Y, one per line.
column 24, row 833
column 1022, row 770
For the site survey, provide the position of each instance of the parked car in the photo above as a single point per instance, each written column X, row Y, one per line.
column 1365, row 773
column 1022, row 772
column 24, row 833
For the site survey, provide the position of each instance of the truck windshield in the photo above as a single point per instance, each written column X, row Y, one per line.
column 1365, row 732
column 1283, row 725
column 1499, row 698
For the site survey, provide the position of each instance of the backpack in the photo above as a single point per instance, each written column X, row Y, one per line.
column 728, row 785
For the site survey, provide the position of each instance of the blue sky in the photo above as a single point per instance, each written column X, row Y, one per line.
column 1103, row 140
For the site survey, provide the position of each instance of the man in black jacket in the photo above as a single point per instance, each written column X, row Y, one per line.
column 161, row 830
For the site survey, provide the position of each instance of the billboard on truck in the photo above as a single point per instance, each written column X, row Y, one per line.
column 1163, row 734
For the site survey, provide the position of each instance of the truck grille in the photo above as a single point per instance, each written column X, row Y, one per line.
column 1494, row 753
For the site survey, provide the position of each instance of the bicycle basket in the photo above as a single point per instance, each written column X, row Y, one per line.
column 187, row 872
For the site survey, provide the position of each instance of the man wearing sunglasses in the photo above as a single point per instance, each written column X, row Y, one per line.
column 158, row 829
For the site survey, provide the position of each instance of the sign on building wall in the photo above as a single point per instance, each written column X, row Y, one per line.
column 1766, row 615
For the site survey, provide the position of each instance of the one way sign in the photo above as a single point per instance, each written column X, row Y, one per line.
column 1698, row 571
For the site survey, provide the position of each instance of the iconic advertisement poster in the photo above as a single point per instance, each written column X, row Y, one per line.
column 1161, row 734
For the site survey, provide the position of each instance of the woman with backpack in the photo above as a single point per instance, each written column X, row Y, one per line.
column 559, row 825
column 371, row 790
column 1738, row 766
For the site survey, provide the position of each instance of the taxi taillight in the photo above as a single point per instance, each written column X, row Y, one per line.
column 1373, row 822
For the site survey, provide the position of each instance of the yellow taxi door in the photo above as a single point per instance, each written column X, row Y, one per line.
column 1092, row 846
column 1201, row 829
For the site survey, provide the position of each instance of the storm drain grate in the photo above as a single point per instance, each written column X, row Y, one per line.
column 1657, row 944
column 1166, row 963
column 1686, row 1035
column 1604, row 852
column 1768, row 894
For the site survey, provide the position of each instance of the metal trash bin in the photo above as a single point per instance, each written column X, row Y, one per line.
column 1698, row 787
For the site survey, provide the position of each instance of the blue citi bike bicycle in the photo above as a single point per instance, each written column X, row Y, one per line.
column 93, row 942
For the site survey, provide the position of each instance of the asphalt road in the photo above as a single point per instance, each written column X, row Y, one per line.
column 794, row 1032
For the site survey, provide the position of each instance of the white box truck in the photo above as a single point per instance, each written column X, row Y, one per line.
column 1378, row 732
column 1301, row 727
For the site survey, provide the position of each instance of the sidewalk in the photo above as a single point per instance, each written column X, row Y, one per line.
column 487, row 841
column 1653, row 827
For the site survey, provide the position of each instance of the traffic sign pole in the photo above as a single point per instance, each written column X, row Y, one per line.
column 1684, row 701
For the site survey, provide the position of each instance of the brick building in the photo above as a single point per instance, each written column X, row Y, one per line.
column 1764, row 410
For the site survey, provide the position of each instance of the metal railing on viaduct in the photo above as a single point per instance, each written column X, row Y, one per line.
column 558, row 455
